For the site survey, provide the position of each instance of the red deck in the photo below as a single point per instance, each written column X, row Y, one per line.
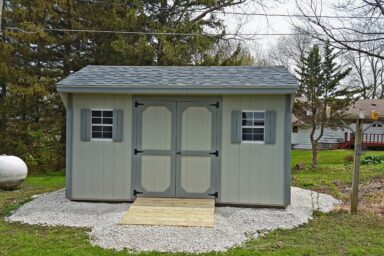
column 369, row 140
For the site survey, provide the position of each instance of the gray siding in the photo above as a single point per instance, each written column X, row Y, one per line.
column 101, row 169
column 253, row 173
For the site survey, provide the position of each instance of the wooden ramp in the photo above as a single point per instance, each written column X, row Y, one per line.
column 171, row 212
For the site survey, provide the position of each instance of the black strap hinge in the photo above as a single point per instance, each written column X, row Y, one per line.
column 135, row 192
column 137, row 151
column 217, row 105
column 138, row 104
column 216, row 194
column 216, row 153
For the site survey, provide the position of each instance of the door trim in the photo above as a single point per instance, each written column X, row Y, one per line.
column 153, row 99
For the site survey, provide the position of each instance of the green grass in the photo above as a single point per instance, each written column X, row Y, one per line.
column 336, row 233
column 326, row 157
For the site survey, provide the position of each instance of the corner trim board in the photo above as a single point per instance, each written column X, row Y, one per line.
column 69, row 147
column 287, row 150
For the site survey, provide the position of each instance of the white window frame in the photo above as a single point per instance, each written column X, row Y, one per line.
column 110, row 125
column 252, row 141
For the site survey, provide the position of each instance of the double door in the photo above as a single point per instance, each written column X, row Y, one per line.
column 176, row 148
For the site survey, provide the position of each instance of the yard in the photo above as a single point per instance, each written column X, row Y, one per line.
column 334, row 233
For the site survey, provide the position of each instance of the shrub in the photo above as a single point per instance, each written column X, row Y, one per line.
column 373, row 159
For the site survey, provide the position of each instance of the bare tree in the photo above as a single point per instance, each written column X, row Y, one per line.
column 367, row 74
column 289, row 49
column 360, row 22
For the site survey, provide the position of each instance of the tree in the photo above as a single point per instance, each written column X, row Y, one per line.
column 359, row 22
column 367, row 72
column 319, row 89
column 38, row 48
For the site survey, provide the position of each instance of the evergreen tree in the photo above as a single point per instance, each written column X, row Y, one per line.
column 320, row 77
column 32, row 118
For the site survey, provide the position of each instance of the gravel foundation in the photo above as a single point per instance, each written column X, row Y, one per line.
column 233, row 225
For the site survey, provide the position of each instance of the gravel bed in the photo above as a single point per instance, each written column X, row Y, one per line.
column 233, row 225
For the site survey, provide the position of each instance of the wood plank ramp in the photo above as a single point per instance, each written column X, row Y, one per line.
column 182, row 212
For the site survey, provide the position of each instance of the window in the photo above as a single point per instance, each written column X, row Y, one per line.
column 102, row 122
column 295, row 129
column 252, row 126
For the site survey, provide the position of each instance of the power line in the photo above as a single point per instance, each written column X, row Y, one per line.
column 142, row 33
column 17, row 29
column 247, row 14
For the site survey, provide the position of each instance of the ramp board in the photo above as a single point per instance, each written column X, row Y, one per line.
column 171, row 212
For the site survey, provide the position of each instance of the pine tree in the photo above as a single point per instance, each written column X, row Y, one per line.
column 320, row 77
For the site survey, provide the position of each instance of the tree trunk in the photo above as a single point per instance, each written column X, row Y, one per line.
column 314, row 154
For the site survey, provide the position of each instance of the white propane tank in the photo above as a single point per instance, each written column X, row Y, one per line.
column 13, row 172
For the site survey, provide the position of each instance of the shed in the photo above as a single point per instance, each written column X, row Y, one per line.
column 166, row 131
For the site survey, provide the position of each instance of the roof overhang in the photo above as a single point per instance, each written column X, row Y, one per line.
column 177, row 90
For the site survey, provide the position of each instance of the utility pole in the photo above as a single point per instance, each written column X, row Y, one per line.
column 356, row 165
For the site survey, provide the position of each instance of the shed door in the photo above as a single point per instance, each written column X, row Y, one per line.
column 197, row 152
column 154, row 154
column 176, row 150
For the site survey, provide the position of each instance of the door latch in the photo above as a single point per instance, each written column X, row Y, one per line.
column 216, row 153
column 137, row 151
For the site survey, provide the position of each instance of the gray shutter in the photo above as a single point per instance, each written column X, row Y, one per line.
column 117, row 131
column 85, row 124
column 270, row 127
column 236, row 127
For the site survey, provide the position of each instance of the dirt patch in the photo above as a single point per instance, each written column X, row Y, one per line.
column 371, row 197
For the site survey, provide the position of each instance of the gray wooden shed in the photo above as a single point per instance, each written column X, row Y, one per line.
column 194, row 132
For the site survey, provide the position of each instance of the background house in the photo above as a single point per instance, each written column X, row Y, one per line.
column 340, row 137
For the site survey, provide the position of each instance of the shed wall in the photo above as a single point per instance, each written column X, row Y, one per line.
column 253, row 173
column 101, row 170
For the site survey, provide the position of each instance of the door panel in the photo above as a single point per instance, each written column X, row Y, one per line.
column 195, row 174
column 197, row 129
column 154, row 155
column 156, row 128
column 156, row 173
column 196, row 163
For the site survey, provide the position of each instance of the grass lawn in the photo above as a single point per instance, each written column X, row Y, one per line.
column 336, row 233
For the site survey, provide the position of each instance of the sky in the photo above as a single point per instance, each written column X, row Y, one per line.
column 260, row 24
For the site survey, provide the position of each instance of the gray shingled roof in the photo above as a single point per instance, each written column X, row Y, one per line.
column 185, row 77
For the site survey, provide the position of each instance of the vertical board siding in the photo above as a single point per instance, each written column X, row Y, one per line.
column 253, row 173
column 101, row 169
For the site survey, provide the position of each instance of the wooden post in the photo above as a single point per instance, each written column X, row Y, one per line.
column 356, row 166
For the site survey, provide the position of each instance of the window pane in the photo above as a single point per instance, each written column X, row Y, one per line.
column 247, row 130
column 96, row 134
column 107, row 113
column 107, row 120
column 107, row 128
column 247, row 115
column 258, row 130
column 247, row 137
column 107, row 135
column 258, row 122
column 247, row 122
column 258, row 115
column 96, row 120
column 258, row 137
column 97, row 128
column 96, row 113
